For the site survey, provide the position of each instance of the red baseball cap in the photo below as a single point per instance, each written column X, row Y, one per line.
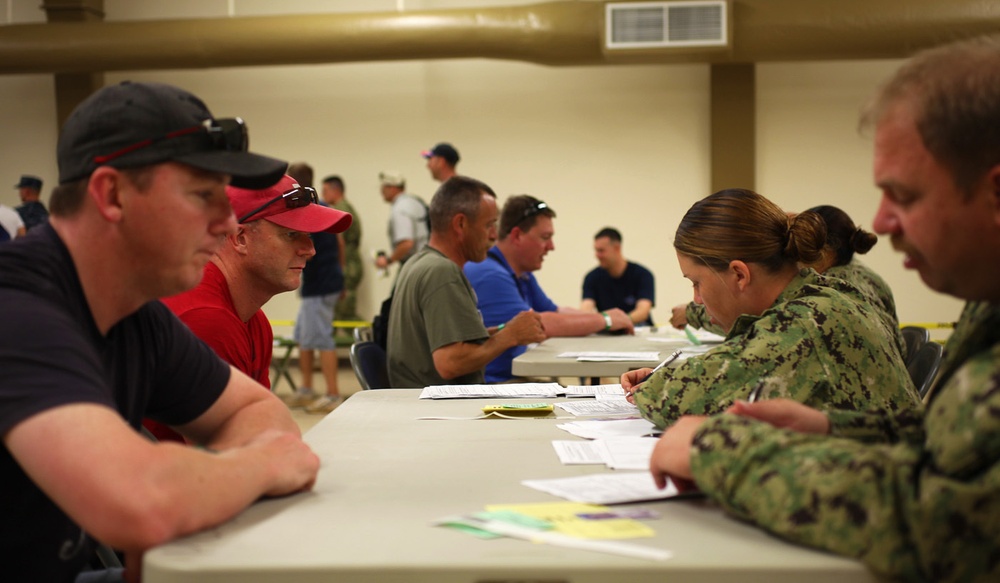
column 289, row 205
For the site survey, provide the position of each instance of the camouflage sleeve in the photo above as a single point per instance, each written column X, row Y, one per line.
column 701, row 385
column 697, row 317
column 779, row 353
column 878, row 426
column 913, row 511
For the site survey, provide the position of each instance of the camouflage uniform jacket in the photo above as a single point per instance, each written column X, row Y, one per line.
column 697, row 317
column 923, row 507
column 353, row 269
column 871, row 284
column 820, row 344
column 877, row 291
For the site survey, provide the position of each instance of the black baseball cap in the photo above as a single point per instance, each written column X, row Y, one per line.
column 445, row 150
column 29, row 181
column 136, row 124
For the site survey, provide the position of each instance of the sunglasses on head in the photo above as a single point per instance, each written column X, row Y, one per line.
column 227, row 135
column 294, row 198
column 533, row 210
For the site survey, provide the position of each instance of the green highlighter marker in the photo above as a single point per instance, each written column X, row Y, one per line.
column 691, row 337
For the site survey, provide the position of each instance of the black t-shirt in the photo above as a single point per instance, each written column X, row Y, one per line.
column 52, row 354
column 635, row 284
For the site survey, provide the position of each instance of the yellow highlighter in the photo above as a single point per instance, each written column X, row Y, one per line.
column 520, row 409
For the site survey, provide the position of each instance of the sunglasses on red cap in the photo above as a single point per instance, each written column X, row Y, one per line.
column 227, row 134
column 295, row 198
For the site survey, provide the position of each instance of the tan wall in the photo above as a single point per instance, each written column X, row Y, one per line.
column 625, row 146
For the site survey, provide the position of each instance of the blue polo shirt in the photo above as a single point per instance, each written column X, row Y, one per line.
column 501, row 296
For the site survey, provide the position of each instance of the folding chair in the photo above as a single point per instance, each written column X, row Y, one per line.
column 369, row 363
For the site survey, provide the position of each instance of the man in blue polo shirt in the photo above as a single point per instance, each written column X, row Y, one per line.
column 506, row 286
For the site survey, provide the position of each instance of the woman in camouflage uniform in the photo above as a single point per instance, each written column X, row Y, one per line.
column 792, row 332
column 843, row 240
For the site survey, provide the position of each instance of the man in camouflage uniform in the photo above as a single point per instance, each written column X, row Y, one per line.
column 347, row 305
column 923, row 505
column 820, row 343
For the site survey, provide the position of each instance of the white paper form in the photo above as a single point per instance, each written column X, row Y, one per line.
column 673, row 335
column 607, row 406
column 513, row 390
column 575, row 453
column 626, row 453
column 597, row 428
column 593, row 390
column 616, row 488
column 599, row 356
column 619, row 453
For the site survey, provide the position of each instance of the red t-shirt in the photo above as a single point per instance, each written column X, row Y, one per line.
column 209, row 312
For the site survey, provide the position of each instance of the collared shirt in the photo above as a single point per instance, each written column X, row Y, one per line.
column 503, row 295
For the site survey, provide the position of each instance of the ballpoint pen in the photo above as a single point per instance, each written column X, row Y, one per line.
column 673, row 356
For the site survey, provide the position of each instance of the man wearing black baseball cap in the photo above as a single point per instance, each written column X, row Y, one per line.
column 31, row 209
column 441, row 161
column 87, row 351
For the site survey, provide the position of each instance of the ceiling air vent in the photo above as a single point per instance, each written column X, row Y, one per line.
column 640, row 25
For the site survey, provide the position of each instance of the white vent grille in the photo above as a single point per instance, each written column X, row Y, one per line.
column 632, row 25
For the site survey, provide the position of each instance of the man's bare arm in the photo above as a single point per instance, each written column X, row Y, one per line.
column 134, row 494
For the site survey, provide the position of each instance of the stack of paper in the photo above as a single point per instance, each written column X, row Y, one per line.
column 617, row 453
column 599, row 356
column 597, row 429
column 617, row 488
column 528, row 390
column 563, row 524
column 597, row 391
column 606, row 407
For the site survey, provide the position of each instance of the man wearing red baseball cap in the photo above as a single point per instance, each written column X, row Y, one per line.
column 264, row 257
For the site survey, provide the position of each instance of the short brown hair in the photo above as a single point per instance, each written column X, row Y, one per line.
column 955, row 91
column 738, row 224
column 522, row 210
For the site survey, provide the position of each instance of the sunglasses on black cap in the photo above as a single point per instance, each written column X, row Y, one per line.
column 227, row 134
column 534, row 210
column 294, row 198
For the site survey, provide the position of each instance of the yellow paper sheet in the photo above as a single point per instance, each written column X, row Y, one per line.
column 564, row 516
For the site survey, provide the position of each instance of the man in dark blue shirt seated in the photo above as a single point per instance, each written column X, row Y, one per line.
column 617, row 282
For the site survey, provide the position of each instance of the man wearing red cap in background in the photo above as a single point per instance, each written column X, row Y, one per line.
column 441, row 161
column 264, row 257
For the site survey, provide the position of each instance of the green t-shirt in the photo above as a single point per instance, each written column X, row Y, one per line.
column 433, row 306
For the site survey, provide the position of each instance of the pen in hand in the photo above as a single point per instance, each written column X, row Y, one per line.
column 673, row 356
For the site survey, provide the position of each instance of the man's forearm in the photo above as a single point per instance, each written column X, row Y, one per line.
column 641, row 312
column 252, row 420
column 572, row 323
column 459, row 358
column 401, row 250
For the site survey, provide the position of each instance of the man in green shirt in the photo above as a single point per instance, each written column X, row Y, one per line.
column 436, row 333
